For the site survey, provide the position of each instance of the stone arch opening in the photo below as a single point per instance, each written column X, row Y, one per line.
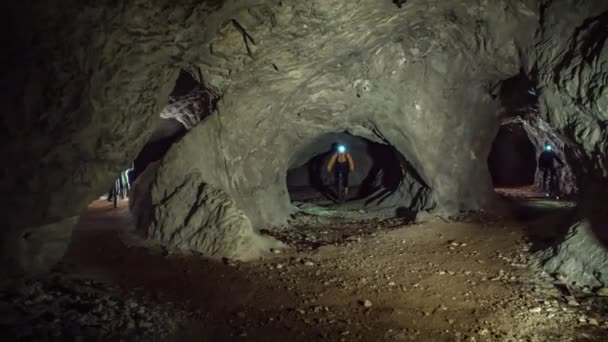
column 383, row 177
column 524, row 131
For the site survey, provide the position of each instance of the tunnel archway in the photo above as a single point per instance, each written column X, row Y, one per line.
column 382, row 174
column 521, row 138
column 80, row 103
column 512, row 160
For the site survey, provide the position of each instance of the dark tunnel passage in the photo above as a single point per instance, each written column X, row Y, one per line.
column 522, row 137
column 380, row 171
column 512, row 160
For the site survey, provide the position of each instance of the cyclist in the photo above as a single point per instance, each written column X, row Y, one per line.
column 120, row 189
column 342, row 163
column 546, row 164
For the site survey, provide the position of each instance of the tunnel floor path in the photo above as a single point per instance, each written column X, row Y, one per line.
column 464, row 280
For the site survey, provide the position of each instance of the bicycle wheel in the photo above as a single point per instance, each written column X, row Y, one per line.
column 554, row 186
column 116, row 193
column 340, row 188
column 546, row 185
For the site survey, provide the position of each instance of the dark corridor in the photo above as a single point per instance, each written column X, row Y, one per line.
column 512, row 160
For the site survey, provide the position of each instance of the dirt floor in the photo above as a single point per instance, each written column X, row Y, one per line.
column 345, row 279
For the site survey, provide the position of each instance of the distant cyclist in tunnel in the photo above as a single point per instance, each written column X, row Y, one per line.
column 546, row 164
column 342, row 164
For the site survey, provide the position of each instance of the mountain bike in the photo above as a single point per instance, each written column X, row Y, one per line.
column 340, row 188
column 550, row 184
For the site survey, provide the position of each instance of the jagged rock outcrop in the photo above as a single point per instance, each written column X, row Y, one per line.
column 140, row 199
column 196, row 216
column 383, row 178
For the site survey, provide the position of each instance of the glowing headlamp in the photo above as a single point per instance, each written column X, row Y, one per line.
column 548, row 148
column 341, row 148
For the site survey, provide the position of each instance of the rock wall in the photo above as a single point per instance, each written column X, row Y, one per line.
column 580, row 256
column 199, row 217
column 571, row 62
column 82, row 86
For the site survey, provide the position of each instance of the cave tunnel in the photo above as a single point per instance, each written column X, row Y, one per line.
column 512, row 160
column 521, row 138
column 381, row 173
column 232, row 232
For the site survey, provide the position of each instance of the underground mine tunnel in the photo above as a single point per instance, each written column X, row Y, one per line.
column 380, row 173
column 512, row 161
column 228, row 112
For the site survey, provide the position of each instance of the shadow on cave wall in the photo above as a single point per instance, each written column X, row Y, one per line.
column 385, row 175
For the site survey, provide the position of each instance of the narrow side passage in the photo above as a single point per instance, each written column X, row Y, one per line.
column 522, row 137
column 381, row 174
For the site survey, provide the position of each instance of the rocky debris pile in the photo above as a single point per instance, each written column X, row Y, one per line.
column 471, row 216
column 81, row 310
